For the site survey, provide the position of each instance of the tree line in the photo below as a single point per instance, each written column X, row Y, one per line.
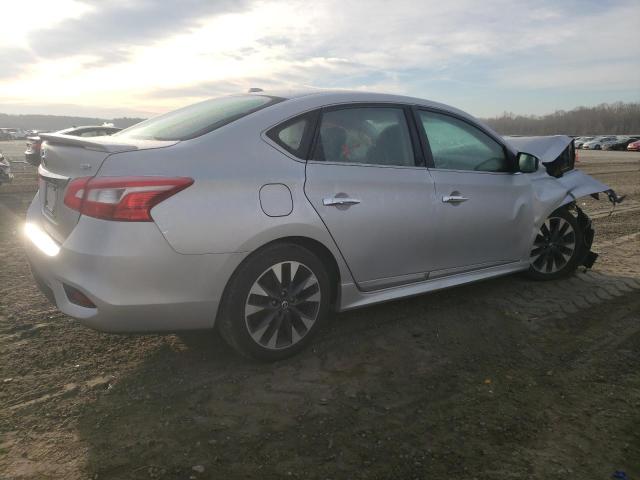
column 605, row 119
column 58, row 122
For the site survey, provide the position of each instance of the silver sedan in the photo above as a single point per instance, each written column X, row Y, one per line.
column 259, row 214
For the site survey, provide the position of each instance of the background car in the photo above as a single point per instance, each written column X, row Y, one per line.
column 634, row 146
column 620, row 143
column 32, row 154
column 579, row 141
column 597, row 142
column 6, row 133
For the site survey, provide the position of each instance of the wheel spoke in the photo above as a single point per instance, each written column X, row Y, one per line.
column 537, row 251
column 285, row 275
column 270, row 284
column 554, row 223
column 539, row 262
column 563, row 229
column 308, row 309
column 564, row 250
column 568, row 239
column 300, row 279
column 259, row 320
column 268, row 338
column 539, row 240
column 309, row 292
column 545, row 230
column 285, row 332
column 549, row 264
column 560, row 260
column 298, row 324
column 261, row 301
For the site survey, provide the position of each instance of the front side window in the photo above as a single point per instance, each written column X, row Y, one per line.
column 457, row 145
column 195, row 120
column 367, row 135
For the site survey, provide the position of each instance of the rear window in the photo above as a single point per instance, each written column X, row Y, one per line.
column 195, row 120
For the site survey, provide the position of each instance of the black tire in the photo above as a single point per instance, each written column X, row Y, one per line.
column 290, row 320
column 550, row 254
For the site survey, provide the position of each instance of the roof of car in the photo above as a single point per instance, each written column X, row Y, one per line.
column 331, row 96
column 339, row 93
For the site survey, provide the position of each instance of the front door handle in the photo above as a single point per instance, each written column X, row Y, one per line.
column 337, row 201
column 453, row 199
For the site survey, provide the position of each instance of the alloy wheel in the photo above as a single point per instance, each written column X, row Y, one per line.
column 282, row 305
column 554, row 246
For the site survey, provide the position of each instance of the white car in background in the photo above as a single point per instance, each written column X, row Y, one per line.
column 598, row 142
column 579, row 141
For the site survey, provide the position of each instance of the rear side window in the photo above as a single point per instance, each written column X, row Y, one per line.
column 195, row 120
column 291, row 136
column 367, row 135
column 295, row 135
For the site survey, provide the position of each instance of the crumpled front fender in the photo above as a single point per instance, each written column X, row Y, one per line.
column 554, row 191
column 550, row 193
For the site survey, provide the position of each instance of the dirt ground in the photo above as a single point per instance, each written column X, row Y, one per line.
column 504, row 379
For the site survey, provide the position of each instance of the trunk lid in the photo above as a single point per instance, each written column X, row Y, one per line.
column 65, row 158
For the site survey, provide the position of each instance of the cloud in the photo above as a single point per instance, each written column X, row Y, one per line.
column 111, row 28
column 13, row 61
column 156, row 55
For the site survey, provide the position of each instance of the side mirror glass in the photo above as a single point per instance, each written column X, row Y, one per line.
column 527, row 163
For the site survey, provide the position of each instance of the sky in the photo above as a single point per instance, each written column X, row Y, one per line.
column 143, row 57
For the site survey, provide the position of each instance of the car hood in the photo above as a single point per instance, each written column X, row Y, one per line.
column 547, row 149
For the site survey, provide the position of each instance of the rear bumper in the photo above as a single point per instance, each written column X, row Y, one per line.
column 136, row 280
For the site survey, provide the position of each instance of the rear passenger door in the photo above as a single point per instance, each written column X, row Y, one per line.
column 367, row 181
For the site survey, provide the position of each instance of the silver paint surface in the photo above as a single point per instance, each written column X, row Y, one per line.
column 400, row 240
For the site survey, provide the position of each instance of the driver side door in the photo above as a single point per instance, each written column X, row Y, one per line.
column 483, row 209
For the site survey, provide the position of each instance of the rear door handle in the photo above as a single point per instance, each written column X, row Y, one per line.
column 336, row 201
column 454, row 199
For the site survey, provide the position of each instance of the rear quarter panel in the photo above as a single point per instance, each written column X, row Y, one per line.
column 221, row 211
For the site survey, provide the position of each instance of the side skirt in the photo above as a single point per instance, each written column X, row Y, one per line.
column 351, row 297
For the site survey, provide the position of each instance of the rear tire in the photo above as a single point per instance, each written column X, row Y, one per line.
column 558, row 247
column 275, row 302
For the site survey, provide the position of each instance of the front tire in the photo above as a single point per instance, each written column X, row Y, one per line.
column 275, row 302
column 558, row 247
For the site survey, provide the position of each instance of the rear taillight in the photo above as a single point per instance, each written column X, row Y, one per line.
column 126, row 199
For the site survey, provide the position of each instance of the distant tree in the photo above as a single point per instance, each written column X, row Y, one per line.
column 58, row 122
column 605, row 119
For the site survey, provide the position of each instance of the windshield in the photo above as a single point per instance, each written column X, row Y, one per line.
column 195, row 120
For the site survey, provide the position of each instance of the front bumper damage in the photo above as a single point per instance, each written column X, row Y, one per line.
column 557, row 184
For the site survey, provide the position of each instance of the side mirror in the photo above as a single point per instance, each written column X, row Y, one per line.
column 527, row 163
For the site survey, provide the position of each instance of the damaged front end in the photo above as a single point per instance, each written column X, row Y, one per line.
column 559, row 185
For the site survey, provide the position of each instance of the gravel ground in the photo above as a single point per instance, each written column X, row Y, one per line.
column 503, row 379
